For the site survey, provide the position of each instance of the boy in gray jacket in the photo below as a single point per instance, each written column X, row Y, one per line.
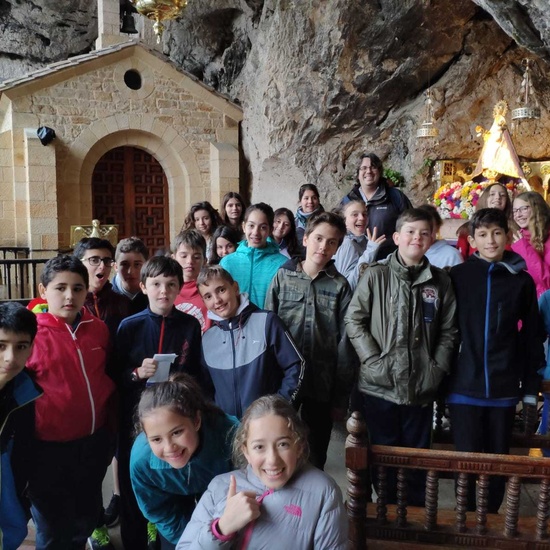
column 401, row 321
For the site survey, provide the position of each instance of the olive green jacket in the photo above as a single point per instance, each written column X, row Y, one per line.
column 402, row 323
column 314, row 310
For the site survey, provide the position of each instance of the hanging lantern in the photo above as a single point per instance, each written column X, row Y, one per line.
column 528, row 103
column 159, row 11
column 428, row 129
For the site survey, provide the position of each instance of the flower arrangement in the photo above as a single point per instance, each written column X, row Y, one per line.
column 458, row 200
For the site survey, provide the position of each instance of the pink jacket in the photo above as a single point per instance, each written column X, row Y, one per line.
column 70, row 368
column 538, row 266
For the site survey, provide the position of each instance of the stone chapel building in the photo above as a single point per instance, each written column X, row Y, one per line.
column 137, row 142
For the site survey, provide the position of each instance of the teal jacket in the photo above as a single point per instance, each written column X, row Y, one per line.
column 159, row 488
column 18, row 393
column 254, row 268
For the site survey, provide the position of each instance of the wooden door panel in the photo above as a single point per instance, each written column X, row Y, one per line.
column 130, row 189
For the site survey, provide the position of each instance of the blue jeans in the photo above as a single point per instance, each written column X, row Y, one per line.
column 65, row 490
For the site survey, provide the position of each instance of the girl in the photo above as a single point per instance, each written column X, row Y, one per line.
column 308, row 197
column 257, row 258
column 494, row 195
column 205, row 219
column 357, row 247
column 182, row 446
column 284, row 233
column 233, row 208
column 277, row 500
column 225, row 241
column 532, row 215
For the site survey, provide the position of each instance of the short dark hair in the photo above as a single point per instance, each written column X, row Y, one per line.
column 374, row 160
column 327, row 217
column 214, row 272
column 262, row 207
column 62, row 263
column 486, row 217
column 191, row 238
column 131, row 244
column 414, row 215
column 307, row 187
column 161, row 265
column 92, row 243
column 17, row 319
column 432, row 210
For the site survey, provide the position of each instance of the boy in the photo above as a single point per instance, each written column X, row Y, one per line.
column 102, row 301
column 17, row 332
column 72, row 446
column 497, row 362
column 189, row 250
column 130, row 255
column 161, row 328
column 248, row 352
column 401, row 321
column 311, row 298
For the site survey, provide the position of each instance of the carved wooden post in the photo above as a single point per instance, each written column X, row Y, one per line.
column 382, row 492
column 401, row 497
column 461, row 501
column 512, row 507
column 357, row 476
column 432, row 484
column 542, row 509
column 482, row 503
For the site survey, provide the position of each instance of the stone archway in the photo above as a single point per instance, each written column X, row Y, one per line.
column 129, row 189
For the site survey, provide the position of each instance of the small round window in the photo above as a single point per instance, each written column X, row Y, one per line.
column 132, row 79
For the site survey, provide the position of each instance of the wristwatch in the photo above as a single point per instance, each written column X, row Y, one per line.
column 134, row 377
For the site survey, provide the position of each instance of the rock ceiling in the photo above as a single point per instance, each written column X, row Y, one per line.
column 320, row 81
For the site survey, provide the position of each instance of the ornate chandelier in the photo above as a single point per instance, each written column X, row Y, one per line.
column 159, row 11
column 428, row 129
column 527, row 99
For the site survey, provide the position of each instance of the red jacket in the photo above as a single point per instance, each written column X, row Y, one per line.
column 70, row 368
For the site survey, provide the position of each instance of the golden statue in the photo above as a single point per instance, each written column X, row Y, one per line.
column 109, row 232
column 498, row 156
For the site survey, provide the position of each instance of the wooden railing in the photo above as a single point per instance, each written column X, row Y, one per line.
column 429, row 524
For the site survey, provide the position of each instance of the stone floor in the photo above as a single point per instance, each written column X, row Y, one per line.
column 336, row 468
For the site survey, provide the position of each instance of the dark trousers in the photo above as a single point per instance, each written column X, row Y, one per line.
column 133, row 526
column 399, row 426
column 317, row 416
column 65, row 490
column 483, row 430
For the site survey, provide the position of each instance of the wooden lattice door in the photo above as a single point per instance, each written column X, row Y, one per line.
column 129, row 188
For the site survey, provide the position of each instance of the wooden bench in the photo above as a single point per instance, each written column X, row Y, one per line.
column 371, row 523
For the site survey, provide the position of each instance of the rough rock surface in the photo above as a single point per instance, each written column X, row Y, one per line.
column 321, row 81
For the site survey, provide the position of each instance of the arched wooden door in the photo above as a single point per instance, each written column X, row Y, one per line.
column 129, row 188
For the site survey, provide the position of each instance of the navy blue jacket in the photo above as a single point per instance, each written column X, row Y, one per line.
column 500, row 329
column 249, row 356
column 138, row 338
column 16, row 429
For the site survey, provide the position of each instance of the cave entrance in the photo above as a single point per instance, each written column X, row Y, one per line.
column 129, row 188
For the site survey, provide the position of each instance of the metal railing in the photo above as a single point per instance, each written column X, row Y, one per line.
column 19, row 277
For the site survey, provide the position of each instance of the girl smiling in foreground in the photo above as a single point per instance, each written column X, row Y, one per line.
column 185, row 442
column 276, row 497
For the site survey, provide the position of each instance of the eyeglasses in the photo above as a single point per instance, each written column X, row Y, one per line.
column 520, row 210
column 96, row 260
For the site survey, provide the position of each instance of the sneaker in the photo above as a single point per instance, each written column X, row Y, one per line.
column 111, row 512
column 100, row 539
column 151, row 536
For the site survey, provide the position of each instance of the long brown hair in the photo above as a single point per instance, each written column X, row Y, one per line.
column 539, row 223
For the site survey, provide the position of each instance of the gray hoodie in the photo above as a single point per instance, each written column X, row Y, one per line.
column 306, row 514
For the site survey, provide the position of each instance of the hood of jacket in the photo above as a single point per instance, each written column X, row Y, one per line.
column 511, row 261
column 246, row 308
column 271, row 247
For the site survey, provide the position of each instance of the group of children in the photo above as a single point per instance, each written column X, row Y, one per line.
column 250, row 342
